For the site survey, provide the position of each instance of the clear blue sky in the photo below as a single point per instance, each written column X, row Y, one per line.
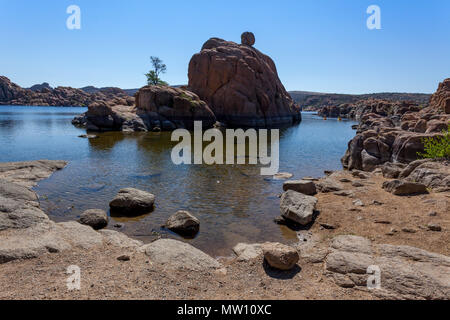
column 317, row 45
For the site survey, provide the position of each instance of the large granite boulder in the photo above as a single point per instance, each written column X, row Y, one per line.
column 241, row 85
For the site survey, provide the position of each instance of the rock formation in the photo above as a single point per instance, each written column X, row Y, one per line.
column 241, row 85
column 234, row 84
column 394, row 132
column 441, row 98
column 157, row 108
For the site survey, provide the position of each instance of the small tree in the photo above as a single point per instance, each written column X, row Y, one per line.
column 437, row 147
column 158, row 68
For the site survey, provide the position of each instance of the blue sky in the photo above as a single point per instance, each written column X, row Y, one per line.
column 317, row 45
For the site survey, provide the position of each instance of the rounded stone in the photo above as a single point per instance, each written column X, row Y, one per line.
column 96, row 218
column 248, row 38
column 183, row 223
column 280, row 256
column 132, row 201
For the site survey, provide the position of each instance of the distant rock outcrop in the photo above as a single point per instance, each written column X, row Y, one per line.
column 44, row 95
column 315, row 101
column 241, row 85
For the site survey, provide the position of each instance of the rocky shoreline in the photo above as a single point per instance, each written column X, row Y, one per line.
column 353, row 223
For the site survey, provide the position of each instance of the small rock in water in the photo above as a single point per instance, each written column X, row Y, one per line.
column 96, row 218
column 88, row 136
column 132, row 201
column 183, row 223
column 282, row 176
column 280, row 256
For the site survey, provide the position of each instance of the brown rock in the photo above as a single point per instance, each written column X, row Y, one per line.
column 440, row 100
column 183, row 223
column 180, row 107
column 248, row 39
column 404, row 188
column 280, row 256
column 96, row 218
column 241, row 85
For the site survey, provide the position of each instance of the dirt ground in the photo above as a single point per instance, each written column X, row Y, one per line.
column 104, row 277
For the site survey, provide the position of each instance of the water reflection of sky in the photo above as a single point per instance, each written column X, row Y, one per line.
column 234, row 203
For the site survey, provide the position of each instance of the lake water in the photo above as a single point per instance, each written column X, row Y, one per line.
column 233, row 202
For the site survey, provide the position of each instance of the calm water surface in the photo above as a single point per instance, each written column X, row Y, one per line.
column 234, row 203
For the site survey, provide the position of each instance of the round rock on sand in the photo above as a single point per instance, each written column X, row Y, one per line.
column 96, row 218
column 280, row 256
column 183, row 223
column 248, row 38
column 132, row 201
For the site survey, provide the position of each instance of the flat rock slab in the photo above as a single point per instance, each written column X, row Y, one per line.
column 46, row 237
column 406, row 272
column 28, row 173
column 298, row 207
column 179, row 255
